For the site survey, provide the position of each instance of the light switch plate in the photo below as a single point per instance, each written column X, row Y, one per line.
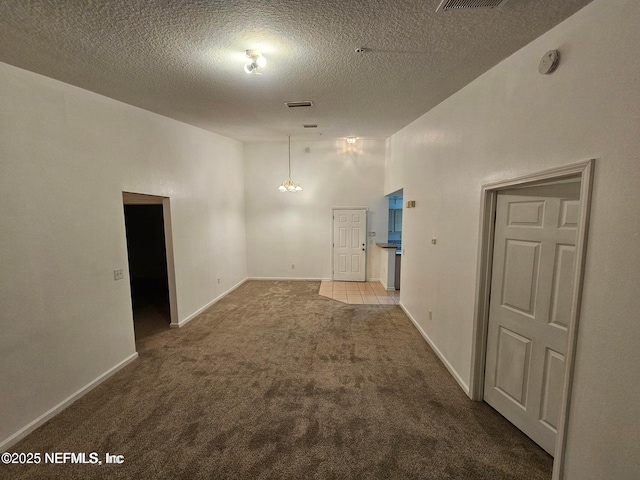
column 118, row 274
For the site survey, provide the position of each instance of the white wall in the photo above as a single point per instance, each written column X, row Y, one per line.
column 510, row 122
column 285, row 228
column 66, row 155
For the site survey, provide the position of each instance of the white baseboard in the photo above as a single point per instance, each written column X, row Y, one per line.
column 186, row 320
column 299, row 279
column 26, row 430
column 386, row 287
column 442, row 358
column 292, row 279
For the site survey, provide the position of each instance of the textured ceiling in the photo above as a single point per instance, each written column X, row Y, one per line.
column 184, row 58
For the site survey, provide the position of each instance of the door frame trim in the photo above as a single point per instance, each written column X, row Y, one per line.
column 134, row 198
column 583, row 170
column 366, row 233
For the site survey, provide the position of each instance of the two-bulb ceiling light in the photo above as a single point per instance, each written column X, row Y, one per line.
column 289, row 185
column 257, row 61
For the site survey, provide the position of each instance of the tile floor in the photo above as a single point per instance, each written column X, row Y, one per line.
column 363, row 293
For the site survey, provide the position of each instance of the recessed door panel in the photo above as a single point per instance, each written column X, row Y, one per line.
column 342, row 237
column 355, row 237
column 552, row 388
column 342, row 263
column 562, row 291
column 528, row 214
column 521, row 275
column 570, row 212
column 355, row 263
column 512, row 366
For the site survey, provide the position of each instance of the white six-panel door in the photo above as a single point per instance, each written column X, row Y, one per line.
column 530, row 306
column 349, row 245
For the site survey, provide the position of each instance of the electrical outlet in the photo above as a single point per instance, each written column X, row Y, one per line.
column 218, row 281
column 118, row 274
column 293, row 266
column 430, row 315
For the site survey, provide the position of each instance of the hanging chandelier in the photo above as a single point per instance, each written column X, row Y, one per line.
column 289, row 185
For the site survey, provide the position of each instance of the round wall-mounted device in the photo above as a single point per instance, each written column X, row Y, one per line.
column 549, row 62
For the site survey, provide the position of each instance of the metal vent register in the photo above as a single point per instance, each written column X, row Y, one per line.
column 305, row 103
column 464, row 4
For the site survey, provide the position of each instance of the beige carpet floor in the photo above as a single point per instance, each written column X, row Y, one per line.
column 278, row 382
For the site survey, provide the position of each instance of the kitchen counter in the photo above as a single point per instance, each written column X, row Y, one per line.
column 386, row 245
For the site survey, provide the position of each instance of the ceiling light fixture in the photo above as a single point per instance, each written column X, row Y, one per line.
column 257, row 61
column 351, row 139
column 289, row 185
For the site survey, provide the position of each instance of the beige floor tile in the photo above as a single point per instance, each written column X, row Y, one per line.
column 358, row 293
column 386, row 301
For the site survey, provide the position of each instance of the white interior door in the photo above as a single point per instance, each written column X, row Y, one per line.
column 531, row 296
column 349, row 245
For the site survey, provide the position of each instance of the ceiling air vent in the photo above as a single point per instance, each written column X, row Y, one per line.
column 310, row 126
column 464, row 4
column 299, row 104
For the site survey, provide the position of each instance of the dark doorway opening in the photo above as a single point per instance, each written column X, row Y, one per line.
column 147, row 268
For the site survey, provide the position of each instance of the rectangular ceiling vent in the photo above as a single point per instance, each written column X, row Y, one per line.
column 465, row 4
column 299, row 104
column 310, row 126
